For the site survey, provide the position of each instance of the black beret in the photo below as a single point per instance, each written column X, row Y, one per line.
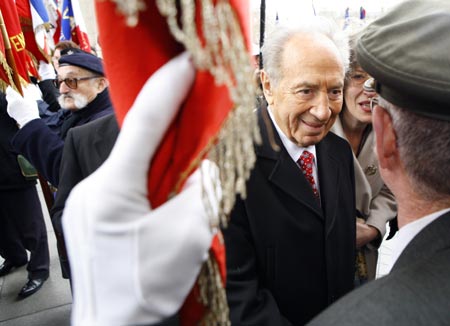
column 82, row 59
column 407, row 51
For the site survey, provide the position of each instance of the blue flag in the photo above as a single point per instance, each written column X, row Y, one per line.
column 66, row 21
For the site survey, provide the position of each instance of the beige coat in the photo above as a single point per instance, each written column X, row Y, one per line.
column 373, row 199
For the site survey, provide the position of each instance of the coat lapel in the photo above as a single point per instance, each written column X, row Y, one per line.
column 328, row 181
column 284, row 172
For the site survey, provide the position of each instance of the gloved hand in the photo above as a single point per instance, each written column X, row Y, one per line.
column 22, row 109
column 46, row 70
column 132, row 264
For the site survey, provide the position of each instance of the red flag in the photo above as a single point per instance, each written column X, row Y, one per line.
column 140, row 51
column 16, row 37
column 26, row 23
column 5, row 70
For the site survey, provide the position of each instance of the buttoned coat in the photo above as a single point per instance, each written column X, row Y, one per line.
column 416, row 292
column 374, row 201
column 289, row 257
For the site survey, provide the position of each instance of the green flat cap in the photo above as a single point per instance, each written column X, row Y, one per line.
column 407, row 51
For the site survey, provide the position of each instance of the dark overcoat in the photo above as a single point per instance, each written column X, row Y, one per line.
column 85, row 149
column 416, row 291
column 289, row 256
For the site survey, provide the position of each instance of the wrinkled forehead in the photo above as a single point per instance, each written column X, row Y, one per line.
column 312, row 49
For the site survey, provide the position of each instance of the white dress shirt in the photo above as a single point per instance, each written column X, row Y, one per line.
column 294, row 150
column 408, row 232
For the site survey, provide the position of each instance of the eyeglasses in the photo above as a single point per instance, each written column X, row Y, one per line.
column 72, row 83
column 373, row 102
column 358, row 78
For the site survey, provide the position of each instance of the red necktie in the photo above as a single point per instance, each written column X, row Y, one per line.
column 306, row 162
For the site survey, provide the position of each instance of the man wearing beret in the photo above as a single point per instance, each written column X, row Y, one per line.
column 407, row 53
column 84, row 91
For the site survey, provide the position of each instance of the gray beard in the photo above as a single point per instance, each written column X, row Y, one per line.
column 80, row 101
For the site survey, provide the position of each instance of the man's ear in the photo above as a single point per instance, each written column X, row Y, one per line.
column 267, row 87
column 386, row 138
column 102, row 84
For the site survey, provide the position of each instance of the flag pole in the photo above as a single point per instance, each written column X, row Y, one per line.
column 16, row 79
column 10, row 56
column 262, row 27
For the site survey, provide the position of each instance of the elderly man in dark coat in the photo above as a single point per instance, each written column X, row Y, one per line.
column 291, row 242
column 84, row 91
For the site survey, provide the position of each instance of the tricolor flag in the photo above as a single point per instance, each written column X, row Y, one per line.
column 72, row 25
column 54, row 17
column 362, row 12
column 44, row 23
column 16, row 39
column 346, row 18
column 35, row 27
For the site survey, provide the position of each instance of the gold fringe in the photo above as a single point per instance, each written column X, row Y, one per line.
column 8, row 71
column 130, row 9
column 223, row 53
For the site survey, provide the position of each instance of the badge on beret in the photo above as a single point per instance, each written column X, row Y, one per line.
column 370, row 170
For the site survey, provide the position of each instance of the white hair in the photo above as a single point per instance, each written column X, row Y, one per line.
column 272, row 49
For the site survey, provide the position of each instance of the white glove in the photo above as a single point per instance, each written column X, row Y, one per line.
column 132, row 264
column 46, row 70
column 22, row 109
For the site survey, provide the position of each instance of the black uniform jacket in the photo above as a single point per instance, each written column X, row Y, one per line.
column 43, row 147
column 10, row 174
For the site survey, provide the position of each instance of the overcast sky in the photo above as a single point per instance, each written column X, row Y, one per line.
column 287, row 9
column 292, row 10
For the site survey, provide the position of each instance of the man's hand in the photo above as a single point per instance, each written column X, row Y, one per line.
column 22, row 109
column 365, row 233
column 132, row 264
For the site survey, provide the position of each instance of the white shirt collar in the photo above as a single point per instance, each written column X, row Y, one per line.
column 409, row 231
column 293, row 149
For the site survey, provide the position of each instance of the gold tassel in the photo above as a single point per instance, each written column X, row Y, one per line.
column 223, row 53
column 8, row 71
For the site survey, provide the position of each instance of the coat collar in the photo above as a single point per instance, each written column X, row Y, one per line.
column 433, row 238
column 284, row 170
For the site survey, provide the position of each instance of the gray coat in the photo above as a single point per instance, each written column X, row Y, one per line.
column 415, row 292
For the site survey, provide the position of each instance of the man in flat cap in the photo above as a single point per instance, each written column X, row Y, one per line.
column 84, row 91
column 407, row 53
